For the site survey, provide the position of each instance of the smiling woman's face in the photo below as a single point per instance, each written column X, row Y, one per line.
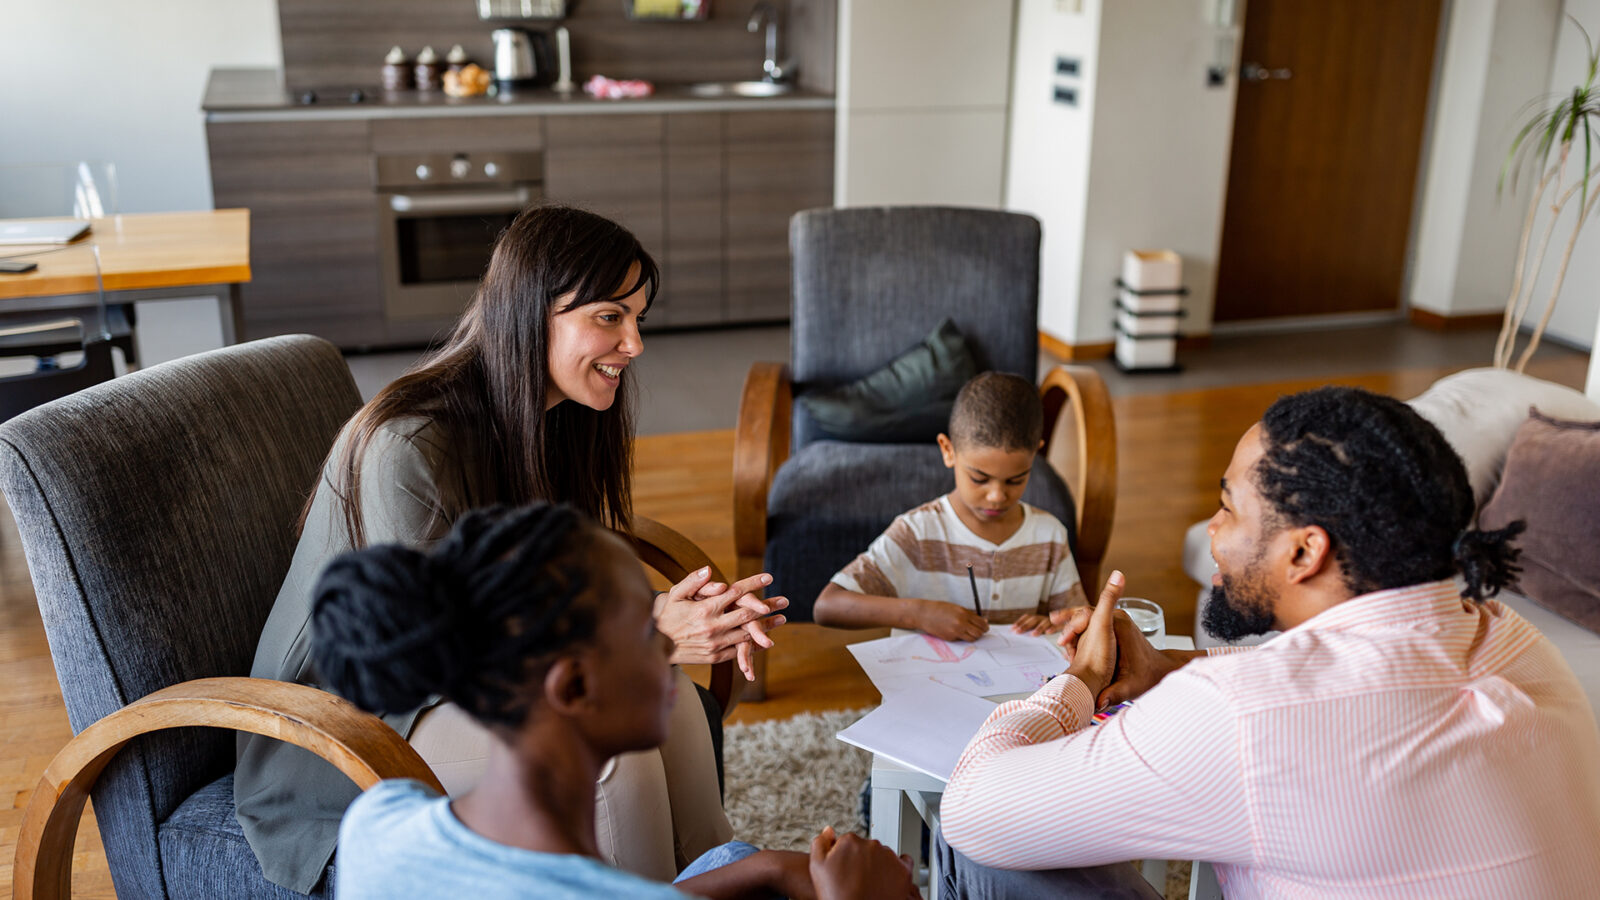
column 592, row 345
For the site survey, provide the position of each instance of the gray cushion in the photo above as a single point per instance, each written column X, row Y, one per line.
column 871, row 281
column 906, row 401
column 832, row 498
column 158, row 515
column 204, row 853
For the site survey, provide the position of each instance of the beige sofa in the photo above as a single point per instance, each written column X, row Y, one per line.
column 1479, row 411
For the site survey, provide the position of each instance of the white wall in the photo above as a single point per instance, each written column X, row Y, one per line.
column 1141, row 162
column 921, row 109
column 1502, row 54
column 1047, row 171
column 1578, row 309
column 1497, row 58
column 122, row 81
column 1159, row 160
column 1452, row 148
column 1593, row 387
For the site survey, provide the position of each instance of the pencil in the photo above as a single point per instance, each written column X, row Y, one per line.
column 973, row 580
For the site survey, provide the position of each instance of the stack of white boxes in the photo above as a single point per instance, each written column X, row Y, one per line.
column 1149, row 305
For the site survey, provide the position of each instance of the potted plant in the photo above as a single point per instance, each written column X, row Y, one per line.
column 1551, row 138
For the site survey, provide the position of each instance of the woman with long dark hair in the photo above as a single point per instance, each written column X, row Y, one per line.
column 539, row 625
column 529, row 398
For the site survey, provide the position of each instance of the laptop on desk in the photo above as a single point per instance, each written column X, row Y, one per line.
column 42, row 231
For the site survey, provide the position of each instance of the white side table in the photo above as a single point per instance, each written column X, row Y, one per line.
column 904, row 799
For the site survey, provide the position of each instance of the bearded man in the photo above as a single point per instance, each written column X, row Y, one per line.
column 1405, row 736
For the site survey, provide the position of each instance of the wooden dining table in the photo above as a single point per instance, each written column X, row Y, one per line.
column 141, row 256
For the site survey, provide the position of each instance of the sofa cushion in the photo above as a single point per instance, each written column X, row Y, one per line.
column 907, row 400
column 204, row 854
column 1549, row 482
column 1479, row 410
column 831, row 499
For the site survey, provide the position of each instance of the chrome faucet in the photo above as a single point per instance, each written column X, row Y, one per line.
column 765, row 12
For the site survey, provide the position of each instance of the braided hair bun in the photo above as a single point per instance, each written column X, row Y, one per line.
column 385, row 639
column 1488, row 560
column 468, row 620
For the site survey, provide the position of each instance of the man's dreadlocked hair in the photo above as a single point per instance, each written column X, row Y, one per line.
column 1386, row 486
column 475, row 619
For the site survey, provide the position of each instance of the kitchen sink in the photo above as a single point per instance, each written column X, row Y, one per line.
column 740, row 89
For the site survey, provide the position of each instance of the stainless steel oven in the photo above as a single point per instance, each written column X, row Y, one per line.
column 438, row 215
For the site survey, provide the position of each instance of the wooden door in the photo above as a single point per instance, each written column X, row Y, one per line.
column 1327, row 143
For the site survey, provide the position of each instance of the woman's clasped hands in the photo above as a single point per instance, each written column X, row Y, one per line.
column 710, row 622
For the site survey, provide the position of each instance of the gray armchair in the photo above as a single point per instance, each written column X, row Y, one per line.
column 157, row 512
column 869, row 283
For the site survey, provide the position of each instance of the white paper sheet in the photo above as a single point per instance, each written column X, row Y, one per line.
column 924, row 726
column 1000, row 662
column 1009, row 680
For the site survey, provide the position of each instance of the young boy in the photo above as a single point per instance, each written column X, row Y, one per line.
column 914, row 576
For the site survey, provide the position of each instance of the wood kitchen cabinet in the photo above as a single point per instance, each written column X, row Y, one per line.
column 778, row 163
column 708, row 193
column 313, row 226
column 691, row 275
column 478, row 134
column 613, row 165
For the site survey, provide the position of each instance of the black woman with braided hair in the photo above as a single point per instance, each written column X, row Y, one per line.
column 540, row 625
column 529, row 398
column 1405, row 735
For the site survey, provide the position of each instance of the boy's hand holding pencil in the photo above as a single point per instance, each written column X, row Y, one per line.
column 949, row 621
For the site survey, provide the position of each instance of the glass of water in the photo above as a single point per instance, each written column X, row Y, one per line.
column 1148, row 616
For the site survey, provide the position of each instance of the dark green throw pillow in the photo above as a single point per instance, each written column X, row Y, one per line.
column 907, row 400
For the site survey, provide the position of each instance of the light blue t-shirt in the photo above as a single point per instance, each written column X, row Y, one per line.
column 399, row 839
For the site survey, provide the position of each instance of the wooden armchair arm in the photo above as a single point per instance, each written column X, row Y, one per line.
column 360, row 744
column 760, row 445
column 1085, row 456
column 675, row 556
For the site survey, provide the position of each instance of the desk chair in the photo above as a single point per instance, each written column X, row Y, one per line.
column 84, row 189
column 22, row 392
column 868, row 284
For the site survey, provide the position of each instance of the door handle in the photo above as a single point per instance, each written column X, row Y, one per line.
column 465, row 202
column 1256, row 72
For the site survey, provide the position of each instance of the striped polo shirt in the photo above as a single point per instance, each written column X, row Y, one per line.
column 925, row 553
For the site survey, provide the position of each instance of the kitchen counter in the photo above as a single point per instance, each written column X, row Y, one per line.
column 257, row 94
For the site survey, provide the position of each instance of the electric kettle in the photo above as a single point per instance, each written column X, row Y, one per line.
column 522, row 58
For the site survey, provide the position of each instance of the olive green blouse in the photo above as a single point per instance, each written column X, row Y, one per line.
column 289, row 801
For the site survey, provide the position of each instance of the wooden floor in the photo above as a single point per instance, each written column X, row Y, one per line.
column 1172, row 449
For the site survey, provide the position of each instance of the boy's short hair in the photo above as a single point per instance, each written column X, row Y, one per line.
column 996, row 409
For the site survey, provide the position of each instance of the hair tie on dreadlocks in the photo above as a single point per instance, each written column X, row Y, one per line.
column 1488, row 560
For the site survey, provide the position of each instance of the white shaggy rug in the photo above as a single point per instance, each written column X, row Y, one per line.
column 788, row 778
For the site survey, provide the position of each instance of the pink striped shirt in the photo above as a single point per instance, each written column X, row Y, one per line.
column 1404, row 743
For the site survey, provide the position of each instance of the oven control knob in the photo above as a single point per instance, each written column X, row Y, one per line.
column 460, row 167
column 491, row 169
column 424, row 172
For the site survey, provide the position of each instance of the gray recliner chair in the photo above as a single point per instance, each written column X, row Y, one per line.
column 868, row 284
column 158, row 516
